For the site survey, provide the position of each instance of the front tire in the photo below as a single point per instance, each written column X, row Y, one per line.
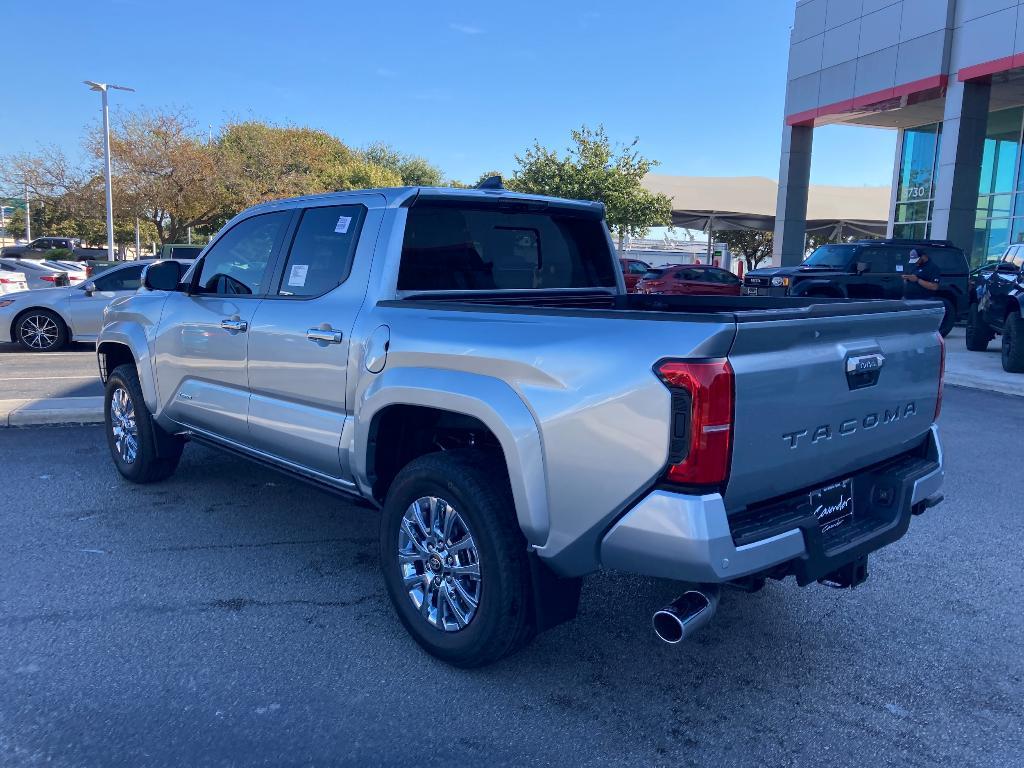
column 978, row 334
column 1013, row 344
column 142, row 451
column 454, row 559
column 40, row 330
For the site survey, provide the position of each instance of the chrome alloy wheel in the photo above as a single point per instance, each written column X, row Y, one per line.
column 123, row 426
column 440, row 564
column 39, row 331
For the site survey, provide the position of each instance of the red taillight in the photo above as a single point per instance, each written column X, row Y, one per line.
column 705, row 421
column 942, row 374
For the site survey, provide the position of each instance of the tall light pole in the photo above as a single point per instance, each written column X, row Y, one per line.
column 103, row 88
column 28, row 217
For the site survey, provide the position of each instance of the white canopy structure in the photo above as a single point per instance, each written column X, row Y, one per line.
column 748, row 202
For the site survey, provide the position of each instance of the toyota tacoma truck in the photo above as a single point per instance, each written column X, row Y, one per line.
column 469, row 362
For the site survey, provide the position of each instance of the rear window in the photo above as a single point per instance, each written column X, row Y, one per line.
column 184, row 251
column 653, row 274
column 459, row 247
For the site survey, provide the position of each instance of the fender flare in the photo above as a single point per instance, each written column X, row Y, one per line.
column 488, row 399
column 1015, row 305
column 132, row 336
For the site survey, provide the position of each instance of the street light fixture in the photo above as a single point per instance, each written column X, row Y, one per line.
column 103, row 88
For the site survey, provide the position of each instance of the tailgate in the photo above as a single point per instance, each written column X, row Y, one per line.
column 801, row 420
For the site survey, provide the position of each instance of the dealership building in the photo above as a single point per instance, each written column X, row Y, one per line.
column 948, row 76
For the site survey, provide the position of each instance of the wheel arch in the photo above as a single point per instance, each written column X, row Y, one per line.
column 1014, row 305
column 474, row 399
column 122, row 343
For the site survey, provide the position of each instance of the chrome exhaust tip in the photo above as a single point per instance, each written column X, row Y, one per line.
column 685, row 615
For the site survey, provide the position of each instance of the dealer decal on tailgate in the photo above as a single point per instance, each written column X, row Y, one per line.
column 833, row 505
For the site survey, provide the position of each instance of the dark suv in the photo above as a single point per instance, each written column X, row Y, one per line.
column 867, row 269
column 997, row 306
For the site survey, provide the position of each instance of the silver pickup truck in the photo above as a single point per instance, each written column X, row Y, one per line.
column 469, row 362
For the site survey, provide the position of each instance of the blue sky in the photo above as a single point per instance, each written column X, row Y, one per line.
column 465, row 84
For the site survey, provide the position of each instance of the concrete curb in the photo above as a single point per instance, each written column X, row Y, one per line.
column 52, row 410
column 985, row 383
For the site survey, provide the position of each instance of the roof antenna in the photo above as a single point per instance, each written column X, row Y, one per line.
column 491, row 182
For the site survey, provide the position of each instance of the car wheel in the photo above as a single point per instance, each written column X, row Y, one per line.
column 1013, row 344
column 40, row 330
column 454, row 560
column 949, row 318
column 978, row 334
column 142, row 451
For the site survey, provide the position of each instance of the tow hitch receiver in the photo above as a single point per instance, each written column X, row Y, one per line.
column 849, row 576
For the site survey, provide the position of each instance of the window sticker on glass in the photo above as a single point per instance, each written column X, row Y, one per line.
column 342, row 226
column 899, row 267
column 297, row 277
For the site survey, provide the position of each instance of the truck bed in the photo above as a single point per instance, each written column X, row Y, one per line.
column 799, row 420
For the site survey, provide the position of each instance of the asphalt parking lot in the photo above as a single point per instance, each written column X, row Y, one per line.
column 69, row 373
column 233, row 616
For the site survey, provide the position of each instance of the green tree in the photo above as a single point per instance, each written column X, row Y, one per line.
column 412, row 171
column 755, row 246
column 592, row 168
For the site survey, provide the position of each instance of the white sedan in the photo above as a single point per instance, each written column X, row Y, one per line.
column 40, row 275
column 12, row 282
column 46, row 319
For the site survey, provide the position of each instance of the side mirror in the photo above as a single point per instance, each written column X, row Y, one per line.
column 162, row 276
column 89, row 288
column 862, row 267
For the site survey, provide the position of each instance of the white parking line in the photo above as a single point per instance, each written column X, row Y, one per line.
column 48, row 378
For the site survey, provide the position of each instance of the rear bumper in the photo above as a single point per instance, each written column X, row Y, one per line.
column 692, row 538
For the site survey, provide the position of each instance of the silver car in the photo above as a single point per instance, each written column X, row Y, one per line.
column 37, row 274
column 46, row 319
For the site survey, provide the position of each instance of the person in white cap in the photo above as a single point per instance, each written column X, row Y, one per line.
column 923, row 281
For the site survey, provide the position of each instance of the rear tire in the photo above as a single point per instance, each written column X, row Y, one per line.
column 40, row 330
column 1013, row 344
column 978, row 334
column 948, row 319
column 142, row 451
column 472, row 485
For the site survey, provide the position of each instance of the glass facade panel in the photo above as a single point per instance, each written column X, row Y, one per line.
column 917, row 164
column 910, row 231
column 912, row 212
column 1002, row 147
column 995, row 205
column 999, row 217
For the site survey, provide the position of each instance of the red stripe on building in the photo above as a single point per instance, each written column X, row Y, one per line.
column 868, row 100
column 987, row 68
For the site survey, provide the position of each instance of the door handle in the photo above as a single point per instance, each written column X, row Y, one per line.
column 234, row 325
column 325, row 335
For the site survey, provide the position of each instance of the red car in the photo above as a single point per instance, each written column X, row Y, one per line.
column 690, row 280
column 633, row 271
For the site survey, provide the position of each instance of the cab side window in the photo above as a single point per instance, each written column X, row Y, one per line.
column 880, row 261
column 237, row 263
column 127, row 279
column 320, row 258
